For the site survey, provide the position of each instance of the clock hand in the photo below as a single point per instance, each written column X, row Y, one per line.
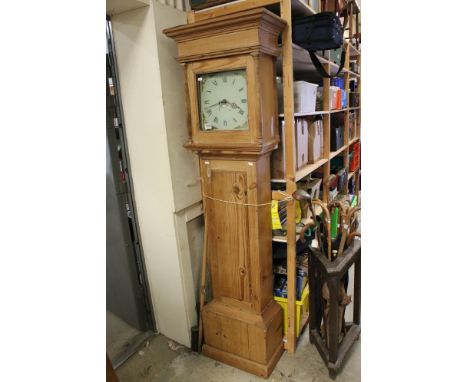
column 222, row 102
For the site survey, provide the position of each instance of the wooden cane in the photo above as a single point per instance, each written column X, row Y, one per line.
column 203, row 279
column 327, row 221
column 346, row 228
column 352, row 236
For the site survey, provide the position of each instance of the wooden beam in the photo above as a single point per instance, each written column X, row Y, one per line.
column 346, row 121
column 290, row 149
column 326, row 132
column 229, row 8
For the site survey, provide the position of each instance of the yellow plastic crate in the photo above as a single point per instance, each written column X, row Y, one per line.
column 302, row 307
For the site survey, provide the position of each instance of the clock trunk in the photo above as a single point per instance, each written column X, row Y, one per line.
column 242, row 325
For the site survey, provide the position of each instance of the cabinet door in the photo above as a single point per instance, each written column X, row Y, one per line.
column 225, row 183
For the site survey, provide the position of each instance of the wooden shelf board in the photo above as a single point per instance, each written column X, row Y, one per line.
column 354, row 108
column 303, row 64
column 282, row 239
column 306, row 170
column 353, row 140
column 300, row 8
column 351, row 174
column 353, row 51
column 335, row 153
column 318, row 112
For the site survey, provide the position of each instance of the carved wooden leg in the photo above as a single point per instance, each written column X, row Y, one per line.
column 333, row 319
column 357, row 292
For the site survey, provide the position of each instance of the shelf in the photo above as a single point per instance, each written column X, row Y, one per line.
column 299, row 8
column 305, row 220
column 353, row 140
column 335, row 153
column 352, row 74
column 303, row 64
column 283, row 239
column 351, row 174
column 353, row 51
column 308, row 169
column 354, row 108
column 319, row 112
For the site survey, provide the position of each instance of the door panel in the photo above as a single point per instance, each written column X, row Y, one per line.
column 124, row 296
column 228, row 225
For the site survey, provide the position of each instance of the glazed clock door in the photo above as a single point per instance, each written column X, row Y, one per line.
column 223, row 100
column 226, row 183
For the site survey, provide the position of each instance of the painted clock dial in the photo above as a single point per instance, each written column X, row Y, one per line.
column 223, row 100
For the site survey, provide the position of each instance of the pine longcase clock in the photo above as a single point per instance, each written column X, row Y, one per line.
column 231, row 98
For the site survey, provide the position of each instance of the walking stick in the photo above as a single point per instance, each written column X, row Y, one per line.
column 352, row 236
column 346, row 227
column 327, row 222
column 304, row 195
column 203, row 279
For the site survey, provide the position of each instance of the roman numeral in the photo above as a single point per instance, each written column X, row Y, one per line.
column 224, row 79
column 234, row 80
column 215, row 120
column 206, row 102
column 243, row 100
column 241, row 112
column 215, row 82
column 235, row 120
column 209, row 111
column 241, row 89
column 225, row 123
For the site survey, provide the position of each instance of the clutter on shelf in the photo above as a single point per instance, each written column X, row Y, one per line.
column 309, row 145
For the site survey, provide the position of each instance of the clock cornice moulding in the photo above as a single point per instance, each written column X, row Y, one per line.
column 248, row 32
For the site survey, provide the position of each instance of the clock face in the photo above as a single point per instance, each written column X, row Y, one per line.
column 223, row 100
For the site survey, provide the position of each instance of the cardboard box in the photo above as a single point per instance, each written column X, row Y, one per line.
column 302, row 142
column 315, row 144
column 278, row 165
column 279, row 92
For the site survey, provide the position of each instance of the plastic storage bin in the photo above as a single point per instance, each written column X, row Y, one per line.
column 335, row 97
column 302, row 307
column 305, row 97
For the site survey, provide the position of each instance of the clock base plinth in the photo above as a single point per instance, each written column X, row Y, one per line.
column 251, row 367
column 244, row 339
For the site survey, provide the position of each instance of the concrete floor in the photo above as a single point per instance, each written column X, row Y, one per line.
column 158, row 363
column 119, row 335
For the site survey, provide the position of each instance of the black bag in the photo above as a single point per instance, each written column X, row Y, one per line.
column 322, row 31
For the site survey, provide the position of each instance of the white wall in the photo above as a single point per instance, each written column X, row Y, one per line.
column 150, row 79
